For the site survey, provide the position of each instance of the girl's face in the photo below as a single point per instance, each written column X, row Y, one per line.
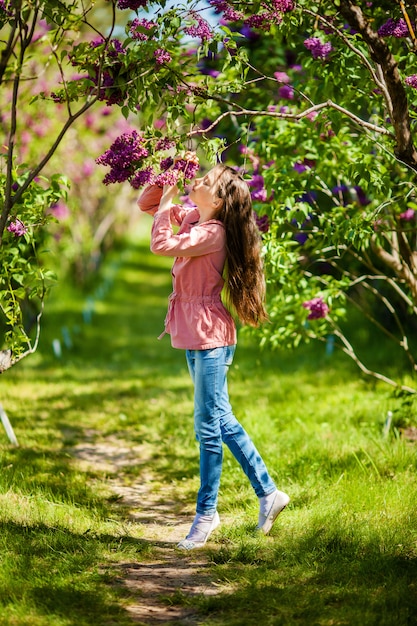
column 204, row 191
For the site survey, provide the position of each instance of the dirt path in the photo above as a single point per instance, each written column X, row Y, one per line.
column 172, row 575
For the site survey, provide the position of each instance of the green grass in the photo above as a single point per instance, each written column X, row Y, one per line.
column 343, row 552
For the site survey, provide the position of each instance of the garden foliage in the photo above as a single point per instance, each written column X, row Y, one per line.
column 315, row 102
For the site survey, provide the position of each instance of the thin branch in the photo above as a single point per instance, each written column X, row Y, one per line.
column 347, row 348
column 288, row 116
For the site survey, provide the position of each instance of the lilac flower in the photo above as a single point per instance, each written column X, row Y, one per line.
column 59, row 210
column 283, row 5
column 140, row 23
column 143, row 177
column 165, row 164
column 286, row 92
column 208, row 71
column 394, row 28
column 167, row 178
column 411, row 80
column 262, row 20
column 162, row 56
column 123, row 157
column 115, row 48
column 282, row 77
column 133, row 5
column 187, row 167
column 164, row 144
column 361, row 196
column 229, row 12
column 408, row 215
column 17, row 228
column 262, row 222
column 318, row 49
column 200, row 29
column 317, row 307
column 302, row 166
column 257, row 183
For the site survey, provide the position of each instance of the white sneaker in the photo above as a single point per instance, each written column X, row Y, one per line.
column 201, row 529
column 269, row 508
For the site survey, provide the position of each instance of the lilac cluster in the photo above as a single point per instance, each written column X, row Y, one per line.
column 143, row 24
column 164, row 144
column 17, row 228
column 286, row 92
column 394, row 28
column 114, row 46
column 187, row 167
column 133, row 5
column 262, row 222
column 143, row 177
column 165, row 164
column 411, row 81
column 257, row 185
column 162, row 56
column 408, row 215
column 170, row 177
column 283, row 5
column 200, row 29
column 261, row 20
column 123, row 157
column 170, row 174
column 229, row 12
column 317, row 307
column 318, row 49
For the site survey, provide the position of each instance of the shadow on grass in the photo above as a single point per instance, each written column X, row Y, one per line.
column 58, row 574
column 333, row 579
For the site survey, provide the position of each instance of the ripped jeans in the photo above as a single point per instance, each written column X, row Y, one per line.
column 215, row 423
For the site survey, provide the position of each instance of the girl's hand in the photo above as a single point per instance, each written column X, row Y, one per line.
column 168, row 194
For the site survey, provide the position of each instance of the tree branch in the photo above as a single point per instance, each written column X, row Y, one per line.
column 381, row 54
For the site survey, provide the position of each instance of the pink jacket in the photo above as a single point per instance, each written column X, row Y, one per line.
column 196, row 318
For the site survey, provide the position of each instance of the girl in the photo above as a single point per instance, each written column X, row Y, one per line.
column 219, row 234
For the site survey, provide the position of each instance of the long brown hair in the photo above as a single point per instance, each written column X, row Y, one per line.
column 245, row 281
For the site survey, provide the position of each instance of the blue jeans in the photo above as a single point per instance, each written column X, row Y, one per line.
column 215, row 423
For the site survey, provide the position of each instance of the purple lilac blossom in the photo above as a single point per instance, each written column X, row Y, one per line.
column 122, row 156
column 318, row 49
column 286, row 92
column 261, row 20
column 162, row 56
column 283, row 5
column 361, row 196
column 140, row 23
column 229, row 13
column 167, row 178
column 17, row 228
column 411, row 80
column 262, row 222
column 408, row 215
column 133, row 5
column 200, row 29
column 282, row 77
column 317, row 307
column 165, row 164
column 394, row 28
column 257, row 184
column 143, row 177
column 164, row 144
column 59, row 210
